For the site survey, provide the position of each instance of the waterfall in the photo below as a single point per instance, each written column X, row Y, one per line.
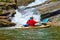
column 22, row 15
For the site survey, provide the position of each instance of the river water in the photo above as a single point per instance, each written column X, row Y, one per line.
column 22, row 14
column 51, row 33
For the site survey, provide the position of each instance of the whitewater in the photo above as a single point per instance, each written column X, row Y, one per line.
column 22, row 15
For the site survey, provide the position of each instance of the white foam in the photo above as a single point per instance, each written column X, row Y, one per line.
column 36, row 3
column 22, row 19
column 22, row 15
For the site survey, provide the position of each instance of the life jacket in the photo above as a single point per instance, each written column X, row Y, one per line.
column 31, row 22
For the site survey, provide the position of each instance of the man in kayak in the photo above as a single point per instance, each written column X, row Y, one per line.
column 31, row 22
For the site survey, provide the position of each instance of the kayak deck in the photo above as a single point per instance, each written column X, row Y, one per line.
column 29, row 27
column 36, row 27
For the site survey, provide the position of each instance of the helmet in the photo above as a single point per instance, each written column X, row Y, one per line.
column 31, row 17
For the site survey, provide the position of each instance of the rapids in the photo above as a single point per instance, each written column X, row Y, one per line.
column 22, row 14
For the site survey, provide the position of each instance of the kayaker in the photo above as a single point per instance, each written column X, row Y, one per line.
column 31, row 22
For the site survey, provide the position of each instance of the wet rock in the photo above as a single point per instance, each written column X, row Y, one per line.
column 4, row 22
column 2, row 3
column 3, row 17
column 7, row 11
column 55, row 20
column 50, row 7
column 51, row 14
column 12, row 5
column 24, row 2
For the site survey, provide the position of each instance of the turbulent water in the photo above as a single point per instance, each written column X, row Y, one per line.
column 22, row 14
column 36, row 2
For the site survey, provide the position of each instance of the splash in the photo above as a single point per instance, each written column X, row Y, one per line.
column 22, row 15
